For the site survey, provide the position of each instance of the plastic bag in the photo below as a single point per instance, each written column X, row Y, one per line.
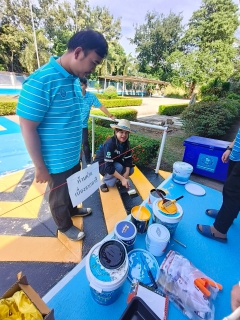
column 18, row 307
column 176, row 278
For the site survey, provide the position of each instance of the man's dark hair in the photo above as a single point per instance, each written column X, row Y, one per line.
column 83, row 81
column 89, row 40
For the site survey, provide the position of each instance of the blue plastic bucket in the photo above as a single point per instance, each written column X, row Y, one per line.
column 106, row 270
column 126, row 232
column 181, row 172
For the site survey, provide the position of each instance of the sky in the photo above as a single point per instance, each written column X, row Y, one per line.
column 134, row 11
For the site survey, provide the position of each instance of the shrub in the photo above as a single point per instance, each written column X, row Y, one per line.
column 113, row 103
column 110, row 93
column 207, row 119
column 146, row 149
column 174, row 92
column 233, row 96
column 171, row 109
column 129, row 114
column 7, row 108
column 216, row 88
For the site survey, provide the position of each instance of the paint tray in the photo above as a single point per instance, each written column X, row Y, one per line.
column 138, row 310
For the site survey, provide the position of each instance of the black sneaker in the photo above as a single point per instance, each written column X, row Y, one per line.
column 73, row 234
column 81, row 212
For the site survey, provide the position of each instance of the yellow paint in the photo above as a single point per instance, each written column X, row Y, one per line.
column 44, row 249
column 22, row 209
column 164, row 174
column 8, row 183
column 141, row 213
column 2, row 128
column 113, row 207
column 141, row 183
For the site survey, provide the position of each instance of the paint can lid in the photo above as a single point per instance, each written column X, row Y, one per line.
column 158, row 233
column 195, row 189
column 112, row 254
column 125, row 230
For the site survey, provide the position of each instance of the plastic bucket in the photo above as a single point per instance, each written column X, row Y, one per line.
column 170, row 221
column 154, row 196
column 126, row 232
column 140, row 217
column 106, row 270
column 181, row 172
column 157, row 239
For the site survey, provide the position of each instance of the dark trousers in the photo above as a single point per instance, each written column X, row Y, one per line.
column 231, row 199
column 59, row 200
column 86, row 147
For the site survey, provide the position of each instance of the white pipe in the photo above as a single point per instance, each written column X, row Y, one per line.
column 93, row 135
column 34, row 34
column 161, row 150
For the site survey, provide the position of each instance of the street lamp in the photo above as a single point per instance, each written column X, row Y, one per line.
column 34, row 34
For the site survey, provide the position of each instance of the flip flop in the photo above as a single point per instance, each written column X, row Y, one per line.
column 212, row 213
column 104, row 187
column 206, row 232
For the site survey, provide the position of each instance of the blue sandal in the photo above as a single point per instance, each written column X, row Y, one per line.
column 212, row 213
column 206, row 232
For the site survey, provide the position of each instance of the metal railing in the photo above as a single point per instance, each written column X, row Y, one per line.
column 140, row 124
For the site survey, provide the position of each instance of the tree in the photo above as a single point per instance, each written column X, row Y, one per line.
column 156, row 40
column 208, row 50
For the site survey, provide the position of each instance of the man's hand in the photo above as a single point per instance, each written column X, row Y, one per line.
column 235, row 297
column 225, row 156
column 125, row 183
column 42, row 175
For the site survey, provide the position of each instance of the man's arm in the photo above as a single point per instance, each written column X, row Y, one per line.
column 33, row 144
column 107, row 113
column 226, row 154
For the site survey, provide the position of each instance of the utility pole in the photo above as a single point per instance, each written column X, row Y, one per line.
column 34, row 34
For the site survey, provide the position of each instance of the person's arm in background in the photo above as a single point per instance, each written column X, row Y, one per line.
column 235, row 297
column 33, row 144
column 226, row 154
column 97, row 104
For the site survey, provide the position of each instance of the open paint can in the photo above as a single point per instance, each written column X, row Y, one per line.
column 126, row 232
column 181, row 172
column 106, row 270
column 154, row 195
column 140, row 217
column 169, row 217
column 157, row 239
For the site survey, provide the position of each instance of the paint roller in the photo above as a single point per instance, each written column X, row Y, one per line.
column 131, row 192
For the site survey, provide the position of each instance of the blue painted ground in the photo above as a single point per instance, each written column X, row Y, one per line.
column 13, row 153
column 218, row 261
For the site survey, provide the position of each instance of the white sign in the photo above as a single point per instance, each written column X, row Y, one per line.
column 83, row 184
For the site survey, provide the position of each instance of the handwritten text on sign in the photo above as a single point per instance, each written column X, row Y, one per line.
column 83, row 184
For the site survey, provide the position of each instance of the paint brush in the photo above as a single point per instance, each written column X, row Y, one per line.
column 155, row 286
column 168, row 203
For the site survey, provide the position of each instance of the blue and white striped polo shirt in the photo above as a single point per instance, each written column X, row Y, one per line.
column 53, row 97
column 235, row 154
column 89, row 100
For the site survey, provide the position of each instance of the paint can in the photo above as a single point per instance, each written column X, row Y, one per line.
column 164, row 217
column 157, row 239
column 140, row 217
column 126, row 232
column 153, row 195
column 181, row 172
column 106, row 270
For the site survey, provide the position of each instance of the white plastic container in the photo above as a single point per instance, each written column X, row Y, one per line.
column 105, row 283
column 170, row 221
column 181, row 172
column 157, row 239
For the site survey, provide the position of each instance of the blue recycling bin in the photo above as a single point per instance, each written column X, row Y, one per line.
column 204, row 155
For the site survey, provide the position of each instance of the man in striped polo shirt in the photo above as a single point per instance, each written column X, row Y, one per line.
column 89, row 101
column 50, row 109
column 231, row 197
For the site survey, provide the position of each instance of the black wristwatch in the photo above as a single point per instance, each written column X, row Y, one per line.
column 228, row 148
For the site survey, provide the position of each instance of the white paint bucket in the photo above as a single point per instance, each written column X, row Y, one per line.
column 153, row 195
column 157, row 239
column 106, row 270
column 181, row 172
column 170, row 221
column 126, row 232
